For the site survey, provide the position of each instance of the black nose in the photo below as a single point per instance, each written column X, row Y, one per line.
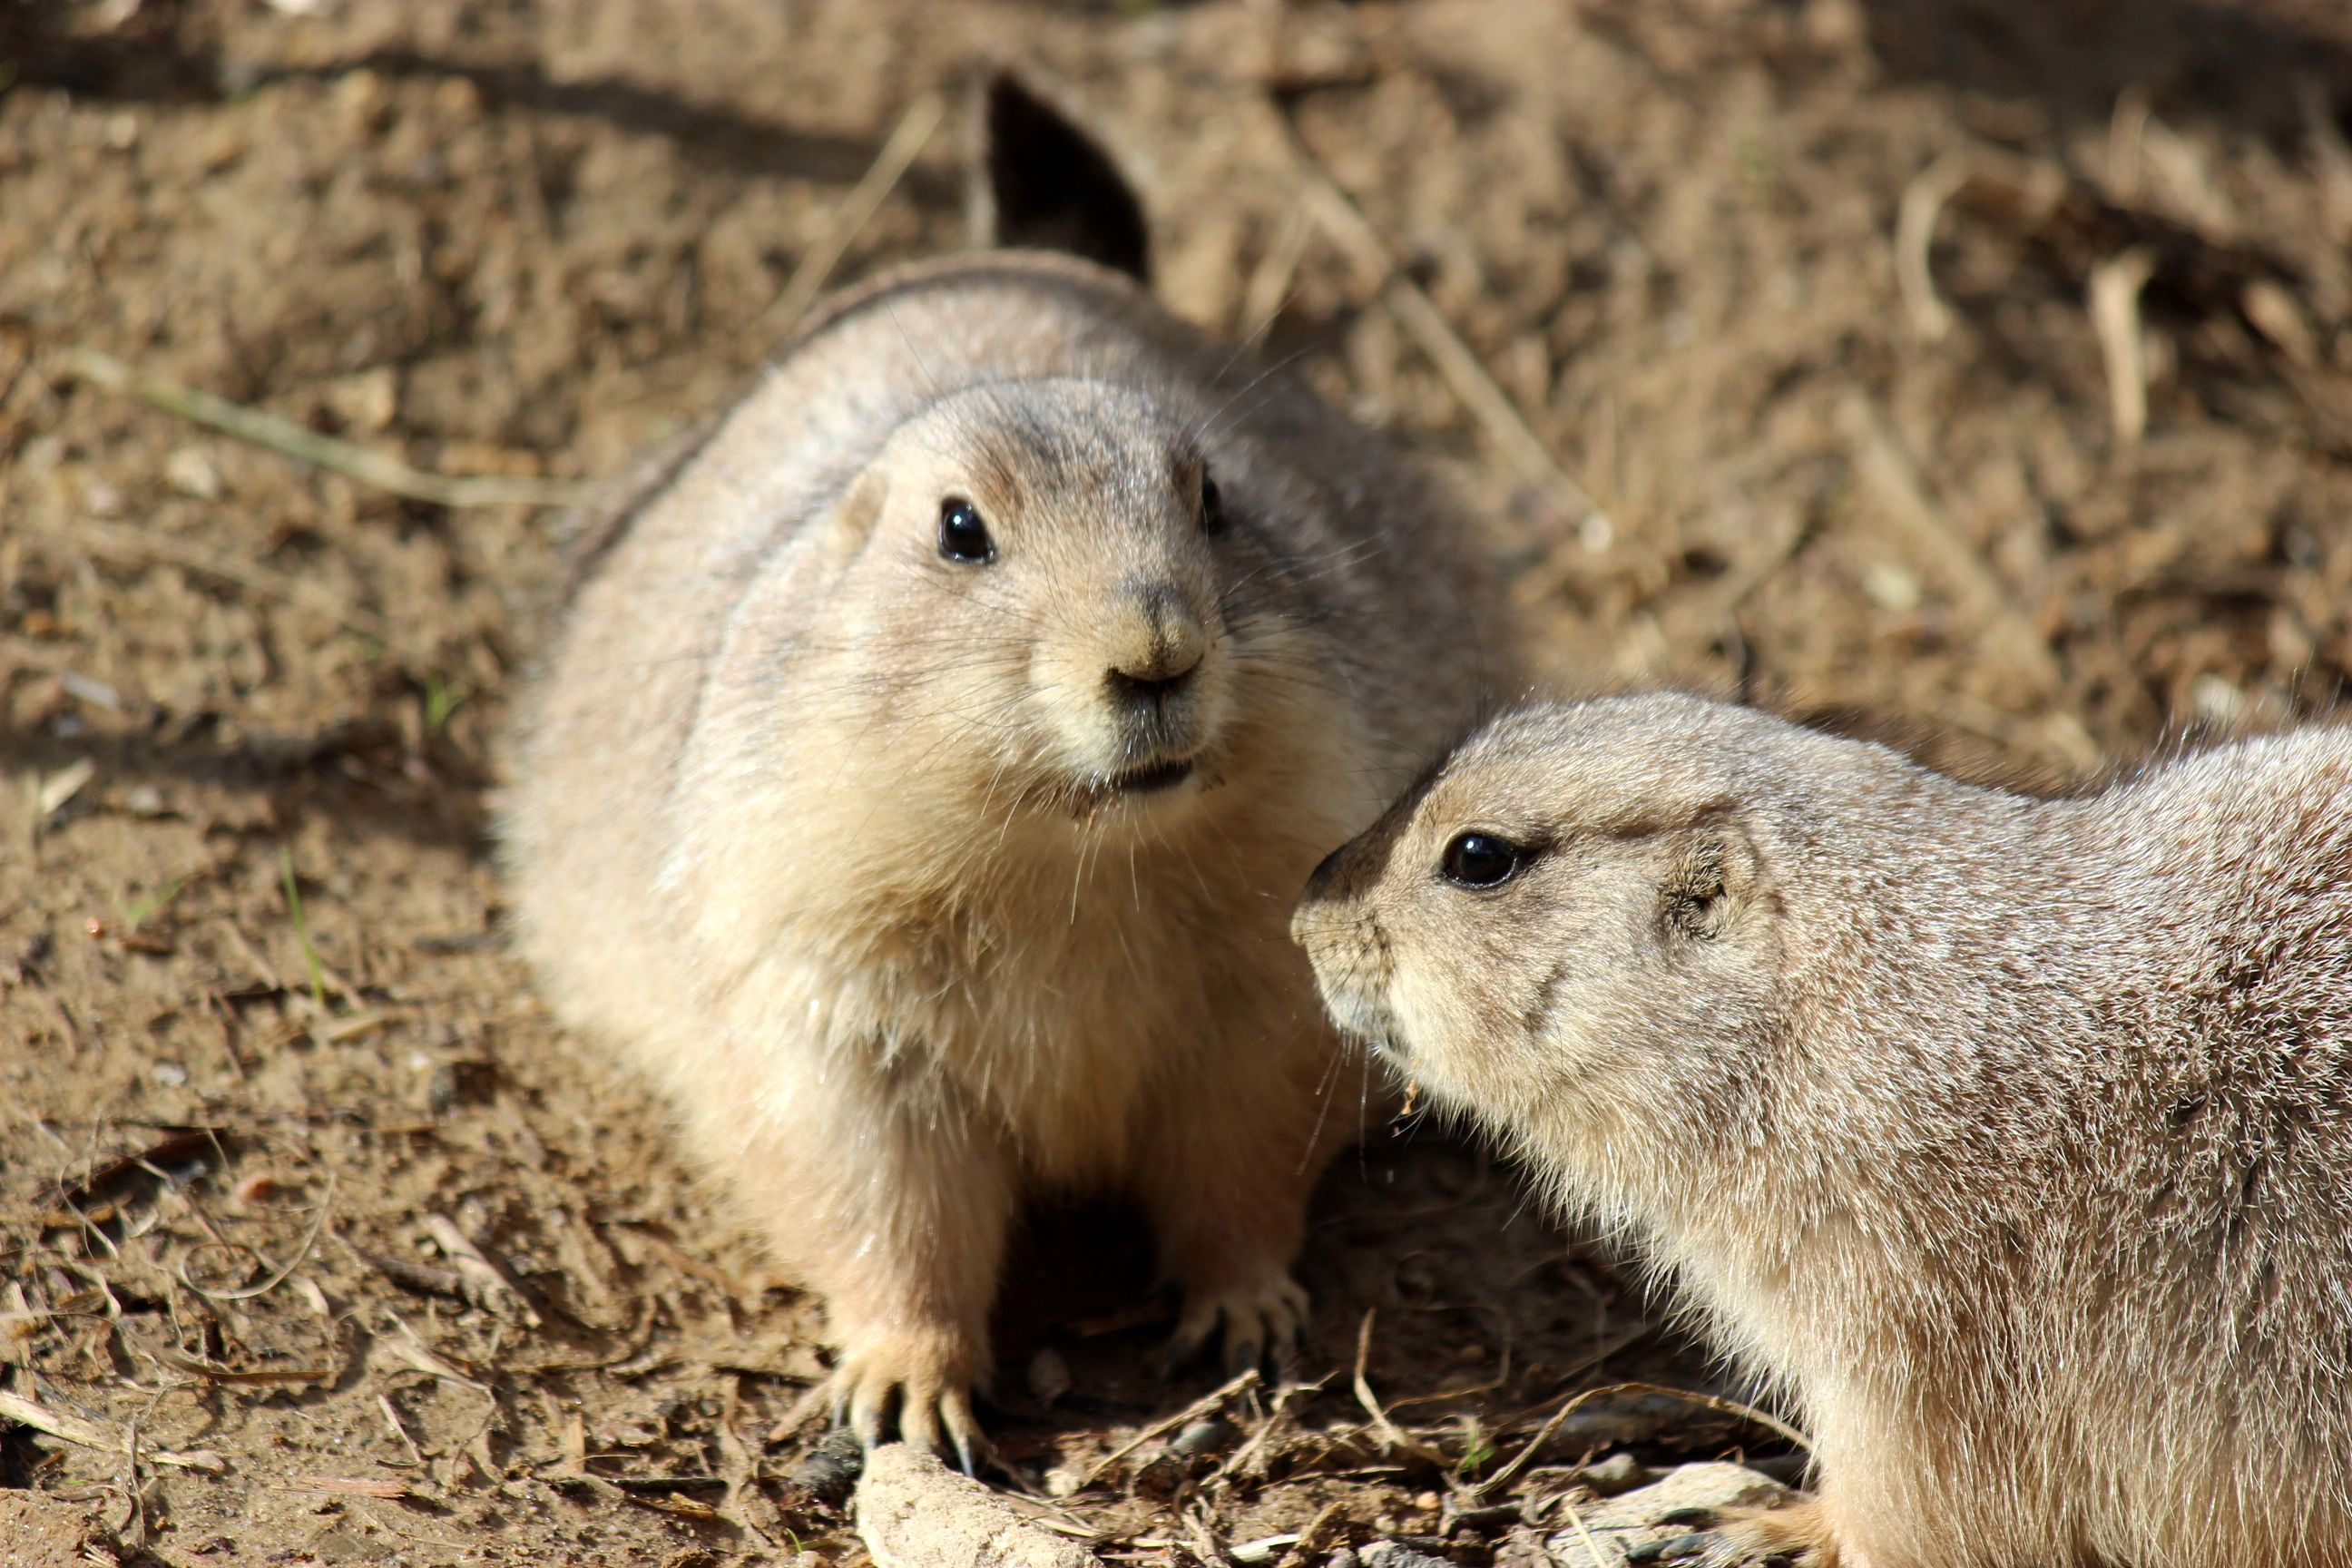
column 1151, row 680
column 1327, row 872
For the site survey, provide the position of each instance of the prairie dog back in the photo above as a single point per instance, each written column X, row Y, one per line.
column 920, row 785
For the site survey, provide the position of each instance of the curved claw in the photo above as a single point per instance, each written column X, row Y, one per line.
column 930, row 1412
column 1191, row 1332
column 1265, row 1320
column 865, row 1406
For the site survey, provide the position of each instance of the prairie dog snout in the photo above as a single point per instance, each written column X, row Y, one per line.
column 1065, row 539
column 2010, row 1139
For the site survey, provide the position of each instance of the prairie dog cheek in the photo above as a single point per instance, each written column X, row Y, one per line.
column 1444, row 1026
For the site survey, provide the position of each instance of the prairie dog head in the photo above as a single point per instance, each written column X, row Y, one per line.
column 1573, row 929
column 1043, row 594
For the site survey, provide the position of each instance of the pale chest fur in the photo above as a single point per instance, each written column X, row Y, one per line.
column 1053, row 1001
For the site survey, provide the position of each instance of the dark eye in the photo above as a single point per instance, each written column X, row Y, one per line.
column 962, row 536
column 1481, row 860
column 1212, row 506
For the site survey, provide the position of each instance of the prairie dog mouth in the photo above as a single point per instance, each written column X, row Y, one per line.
column 1151, row 780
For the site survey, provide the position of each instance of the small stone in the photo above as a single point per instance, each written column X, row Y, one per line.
column 191, row 472
column 1211, row 1437
column 170, row 1075
column 1063, row 1480
column 364, row 403
column 1651, row 1524
column 1710, row 1487
column 1617, row 1473
column 830, row 1469
column 914, row 1512
column 1891, row 588
column 1396, row 1554
column 1049, row 1375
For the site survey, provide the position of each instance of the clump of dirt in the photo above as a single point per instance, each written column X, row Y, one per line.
column 298, row 1184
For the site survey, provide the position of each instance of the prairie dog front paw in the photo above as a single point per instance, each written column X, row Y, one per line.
column 926, row 1373
column 1262, row 1316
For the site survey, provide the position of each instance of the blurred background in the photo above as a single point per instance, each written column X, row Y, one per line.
column 1971, row 374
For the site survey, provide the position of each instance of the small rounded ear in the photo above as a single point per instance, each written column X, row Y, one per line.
column 1040, row 183
column 852, row 518
column 1713, row 874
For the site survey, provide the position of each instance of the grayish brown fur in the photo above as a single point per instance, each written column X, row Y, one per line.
column 2011, row 1138
column 825, row 832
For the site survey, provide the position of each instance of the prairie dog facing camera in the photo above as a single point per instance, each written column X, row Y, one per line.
column 2010, row 1138
column 921, row 781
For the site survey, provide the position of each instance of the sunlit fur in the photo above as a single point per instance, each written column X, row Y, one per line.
column 827, row 832
column 2012, row 1139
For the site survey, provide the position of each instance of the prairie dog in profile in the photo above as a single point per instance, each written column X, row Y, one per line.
column 2012, row 1139
column 920, row 784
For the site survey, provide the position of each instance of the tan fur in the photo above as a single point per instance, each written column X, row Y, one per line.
column 822, row 829
column 2012, row 1139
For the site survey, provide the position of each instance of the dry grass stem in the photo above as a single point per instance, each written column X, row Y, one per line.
column 1269, row 282
column 2114, row 316
column 482, row 1280
column 405, row 1347
column 348, row 459
column 277, row 1276
column 196, row 1366
column 1200, row 1408
column 1724, row 1406
column 849, row 220
column 1914, row 233
column 141, row 549
column 1419, row 316
column 1392, row 1438
column 686, row 1263
column 1910, row 511
column 88, row 1434
column 355, row 1485
column 392, row 1419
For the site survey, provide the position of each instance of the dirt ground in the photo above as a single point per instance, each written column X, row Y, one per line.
column 250, row 919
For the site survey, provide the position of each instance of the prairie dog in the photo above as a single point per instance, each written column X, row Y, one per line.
column 2012, row 1139
column 920, row 784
